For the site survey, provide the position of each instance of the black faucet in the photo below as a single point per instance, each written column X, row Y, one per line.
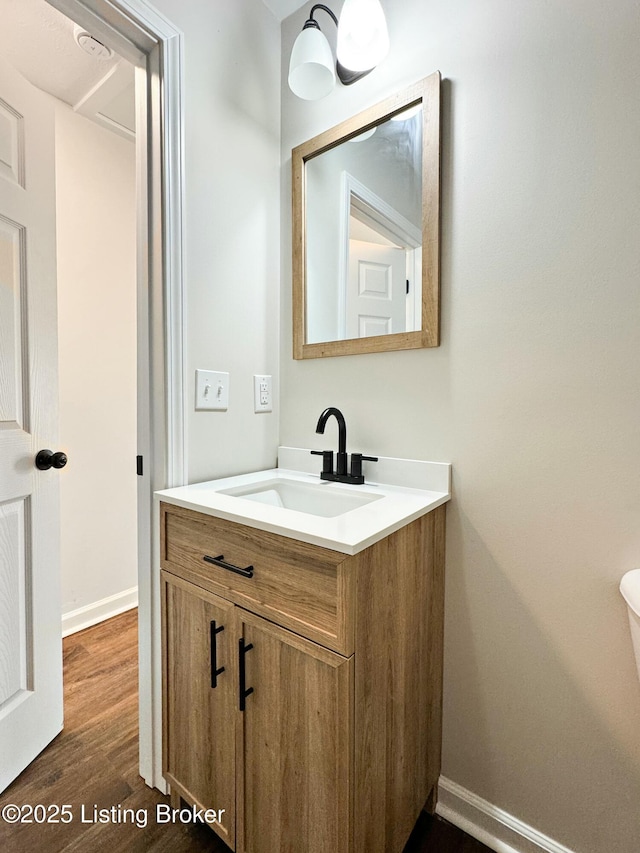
column 341, row 461
column 340, row 475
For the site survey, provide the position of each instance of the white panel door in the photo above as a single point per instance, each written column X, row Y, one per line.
column 376, row 290
column 30, row 620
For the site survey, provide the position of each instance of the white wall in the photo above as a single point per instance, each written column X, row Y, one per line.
column 96, row 245
column 533, row 394
column 232, row 129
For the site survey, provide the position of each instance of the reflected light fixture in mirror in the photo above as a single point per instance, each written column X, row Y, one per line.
column 363, row 42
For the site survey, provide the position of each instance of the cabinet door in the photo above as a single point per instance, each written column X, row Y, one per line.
column 199, row 690
column 296, row 732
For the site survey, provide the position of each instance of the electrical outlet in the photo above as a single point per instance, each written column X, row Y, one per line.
column 212, row 391
column 262, row 401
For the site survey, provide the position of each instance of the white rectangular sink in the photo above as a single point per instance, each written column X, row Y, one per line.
column 321, row 498
column 296, row 503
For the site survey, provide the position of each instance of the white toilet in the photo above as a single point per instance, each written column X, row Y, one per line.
column 630, row 589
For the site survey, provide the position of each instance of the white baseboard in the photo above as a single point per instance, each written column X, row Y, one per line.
column 489, row 824
column 91, row 614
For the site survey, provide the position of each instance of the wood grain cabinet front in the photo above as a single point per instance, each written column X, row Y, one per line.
column 311, row 735
column 199, row 700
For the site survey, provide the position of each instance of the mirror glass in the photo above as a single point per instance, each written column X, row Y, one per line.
column 365, row 195
column 364, row 237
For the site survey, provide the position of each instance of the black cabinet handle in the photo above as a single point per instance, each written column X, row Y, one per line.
column 244, row 691
column 219, row 561
column 215, row 670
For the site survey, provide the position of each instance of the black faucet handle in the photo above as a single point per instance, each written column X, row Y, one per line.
column 356, row 463
column 327, row 460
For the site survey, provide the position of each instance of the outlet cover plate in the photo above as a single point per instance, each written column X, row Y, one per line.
column 262, row 394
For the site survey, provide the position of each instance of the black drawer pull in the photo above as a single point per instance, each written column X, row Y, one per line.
column 244, row 691
column 219, row 561
column 215, row 670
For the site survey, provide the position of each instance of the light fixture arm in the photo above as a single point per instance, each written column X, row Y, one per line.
column 345, row 76
column 311, row 22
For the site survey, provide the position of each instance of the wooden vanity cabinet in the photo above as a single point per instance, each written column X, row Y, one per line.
column 198, row 702
column 303, row 696
column 288, row 751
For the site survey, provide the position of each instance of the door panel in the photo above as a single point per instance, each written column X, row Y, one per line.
column 376, row 290
column 298, row 746
column 199, row 743
column 13, row 381
column 30, row 620
column 15, row 664
column 11, row 144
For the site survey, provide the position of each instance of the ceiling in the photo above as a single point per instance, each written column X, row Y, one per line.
column 283, row 8
column 39, row 42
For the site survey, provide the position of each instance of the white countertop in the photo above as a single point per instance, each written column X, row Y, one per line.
column 348, row 533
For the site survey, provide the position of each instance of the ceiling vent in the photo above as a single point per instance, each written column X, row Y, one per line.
column 91, row 45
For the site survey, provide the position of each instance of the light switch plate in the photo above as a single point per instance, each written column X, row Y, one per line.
column 262, row 396
column 212, row 391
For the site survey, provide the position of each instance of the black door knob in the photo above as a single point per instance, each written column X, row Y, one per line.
column 48, row 459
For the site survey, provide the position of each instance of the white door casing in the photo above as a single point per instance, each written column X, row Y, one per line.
column 30, row 620
column 141, row 34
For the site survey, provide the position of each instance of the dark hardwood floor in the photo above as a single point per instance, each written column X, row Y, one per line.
column 94, row 762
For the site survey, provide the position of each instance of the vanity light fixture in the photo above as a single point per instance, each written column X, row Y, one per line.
column 363, row 42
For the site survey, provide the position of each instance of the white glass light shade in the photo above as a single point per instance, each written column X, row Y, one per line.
column 311, row 67
column 363, row 38
column 362, row 137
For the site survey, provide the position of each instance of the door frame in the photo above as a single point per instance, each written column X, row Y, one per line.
column 139, row 33
column 379, row 214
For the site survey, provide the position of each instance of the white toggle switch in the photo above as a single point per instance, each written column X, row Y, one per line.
column 212, row 391
column 262, row 394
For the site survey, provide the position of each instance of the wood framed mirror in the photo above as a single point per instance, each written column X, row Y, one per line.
column 366, row 230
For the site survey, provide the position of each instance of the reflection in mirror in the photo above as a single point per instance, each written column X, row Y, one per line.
column 363, row 202
column 364, row 240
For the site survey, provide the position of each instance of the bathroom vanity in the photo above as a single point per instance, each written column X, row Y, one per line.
column 302, row 658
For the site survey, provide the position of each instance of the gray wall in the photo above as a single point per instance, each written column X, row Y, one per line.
column 533, row 394
column 232, row 228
